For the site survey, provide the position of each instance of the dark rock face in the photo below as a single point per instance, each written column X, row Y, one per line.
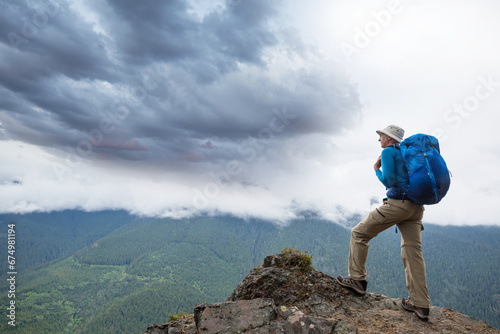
column 311, row 291
column 276, row 298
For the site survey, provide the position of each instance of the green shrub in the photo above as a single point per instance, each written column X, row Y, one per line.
column 175, row 317
column 297, row 258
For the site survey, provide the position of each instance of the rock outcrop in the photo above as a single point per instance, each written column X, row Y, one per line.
column 277, row 297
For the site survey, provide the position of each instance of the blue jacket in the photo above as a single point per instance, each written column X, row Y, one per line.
column 393, row 174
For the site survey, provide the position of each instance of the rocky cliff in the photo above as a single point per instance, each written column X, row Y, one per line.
column 281, row 296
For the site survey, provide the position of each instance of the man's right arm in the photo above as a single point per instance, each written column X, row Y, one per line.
column 388, row 173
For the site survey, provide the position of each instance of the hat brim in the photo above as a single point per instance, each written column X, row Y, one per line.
column 390, row 135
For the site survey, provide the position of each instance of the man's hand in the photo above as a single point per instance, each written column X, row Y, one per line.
column 378, row 163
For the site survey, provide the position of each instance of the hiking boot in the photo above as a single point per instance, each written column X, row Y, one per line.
column 421, row 312
column 357, row 286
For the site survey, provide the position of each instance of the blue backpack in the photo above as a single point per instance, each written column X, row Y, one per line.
column 429, row 177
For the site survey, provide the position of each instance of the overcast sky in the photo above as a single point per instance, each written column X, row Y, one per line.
column 256, row 108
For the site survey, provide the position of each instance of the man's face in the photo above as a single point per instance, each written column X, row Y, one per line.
column 384, row 140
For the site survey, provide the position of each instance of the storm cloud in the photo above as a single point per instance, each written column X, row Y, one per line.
column 159, row 82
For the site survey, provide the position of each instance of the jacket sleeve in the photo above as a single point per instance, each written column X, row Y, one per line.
column 388, row 173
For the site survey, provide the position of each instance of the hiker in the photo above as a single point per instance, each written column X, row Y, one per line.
column 395, row 210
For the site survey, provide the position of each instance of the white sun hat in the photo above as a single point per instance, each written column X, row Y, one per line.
column 394, row 132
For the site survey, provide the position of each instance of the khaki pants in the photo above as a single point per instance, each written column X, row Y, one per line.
column 408, row 218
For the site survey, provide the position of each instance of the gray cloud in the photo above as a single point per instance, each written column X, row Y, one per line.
column 155, row 82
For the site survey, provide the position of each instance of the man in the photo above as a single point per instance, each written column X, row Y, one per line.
column 395, row 210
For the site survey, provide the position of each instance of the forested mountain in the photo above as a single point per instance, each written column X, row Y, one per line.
column 109, row 272
column 43, row 237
